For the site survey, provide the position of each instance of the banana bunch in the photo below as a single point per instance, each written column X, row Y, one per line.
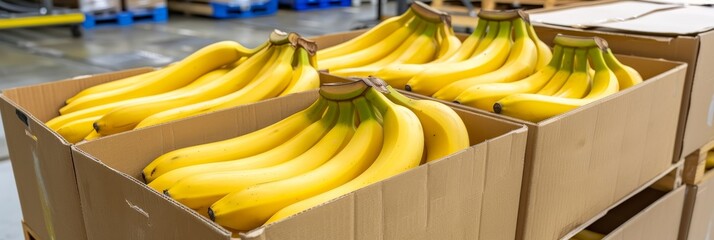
column 587, row 235
column 218, row 76
column 503, row 48
column 581, row 71
column 418, row 36
column 353, row 135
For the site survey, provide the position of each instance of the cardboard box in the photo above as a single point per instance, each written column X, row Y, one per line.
column 472, row 194
column 697, row 110
column 41, row 159
column 143, row 4
column 614, row 146
column 698, row 217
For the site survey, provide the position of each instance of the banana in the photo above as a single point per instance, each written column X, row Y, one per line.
column 417, row 49
column 202, row 61
column 544, row 53
column 305, row 76
column 284, row 152
column 200, row 191
column 519, row 65
column 437, row 76
column 92, row 135
column 269, row 137
column 578, row 83
column 397, row 75
column 100, row 110
column 561, row 76
column 369, row 54
column 710, row 160
column 483, row 96
column 535, row 108
column 444, row 131
column 403, row 141
column 128, row 116
column 268, row 83
column 368, row 38
column 588, row 235
column 116, row 84
column 75, row 131
column 260, row 202
column 626, row 75
column 449, row 43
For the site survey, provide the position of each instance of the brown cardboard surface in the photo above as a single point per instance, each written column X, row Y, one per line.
column 697, row 110
column 698, row 217
column 469, row 195
column 41, row 160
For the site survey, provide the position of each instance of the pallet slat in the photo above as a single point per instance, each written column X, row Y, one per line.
column 302, row 5
column 695, row 164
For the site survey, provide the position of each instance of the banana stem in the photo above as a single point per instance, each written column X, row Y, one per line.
column 597, row 59
column 343, row 91
column 378, row 100
column 581, row 60
column 498, row 15
column 428, row 13
column 568, row 55
column 519, row 27
column 557, row 57
column 364, row 110
column 580, row 42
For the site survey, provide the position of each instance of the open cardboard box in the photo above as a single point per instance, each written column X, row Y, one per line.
column 652, row 213
column 42, row 159
column 613, row 146
column 472, row 194
column 698, row 217
column 697, row 109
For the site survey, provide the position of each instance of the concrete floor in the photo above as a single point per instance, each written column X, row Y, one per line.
column 37, row 55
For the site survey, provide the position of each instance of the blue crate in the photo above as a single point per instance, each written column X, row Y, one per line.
column 126, row 18
column 223, row 10
column 301, row 5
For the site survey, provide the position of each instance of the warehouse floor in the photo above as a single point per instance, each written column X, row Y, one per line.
column 31, row 56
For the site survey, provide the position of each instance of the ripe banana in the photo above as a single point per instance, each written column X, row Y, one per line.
column 518, row 66
column 710, row 160
column 201, row 191
column 252, row 207
column 368, row 38
column 284, row 152
column 202, row 61
column 304, row 77
column 101, row 110
column 578, row 83
column 544, row 53
column 269, row 137
column 77, row 130
column 116, row 84
column 437, row 76
column 563, row 72
column 92, row 135
column 270, row 82
column 535, row 108
column 448, row 42
column 626, row 75
column 483, row 96
column 444, row 131
column 401, row 151
column 127, row 117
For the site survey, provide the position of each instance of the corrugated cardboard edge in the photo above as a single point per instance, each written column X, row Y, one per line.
column 690, row 205
column 671, row 202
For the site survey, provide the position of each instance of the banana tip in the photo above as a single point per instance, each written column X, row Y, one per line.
column 211, row 215
column 456, row 101
column 166, row 192
column 497, row 107
column 408, row 88
column 143, row 177
column 95, row 126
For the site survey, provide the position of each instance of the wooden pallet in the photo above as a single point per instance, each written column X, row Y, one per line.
column 695, row 164
column 223, row 10
column 29, row 234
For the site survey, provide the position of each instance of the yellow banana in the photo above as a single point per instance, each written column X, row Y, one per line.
column 437, row 76
column 100, row 110
column 284, row 152
column 92, row 135
column 626, row 75
column 305, row 77
column 535, row 108
column 268, row 83
column 368, row 38
column 201, row 191
column 449, row 43
column 588, row 235
column 260, row 202
column 544, row 53
column 444, row 131
column 202, row 61
column 578, row 83
column 710, row 160
column 116, row 84
column 128, row 116
column 483, row 96
column 77, row 130
column 561, row 76
column 402, row 150
column 269, row 137
column 519, row 65
column 369, row 54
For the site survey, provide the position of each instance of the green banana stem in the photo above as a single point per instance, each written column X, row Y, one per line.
column 611, row 60
column 278, row 37
column 597, row 59
column 555, row 62
column 499, row 15
column 520, row 30
column 364, row 110
column 581, row 60
column 568, row 57
column 343, row 91
column 504, row 29
column 378, row 100
column 480, row 30
column 580, row 42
